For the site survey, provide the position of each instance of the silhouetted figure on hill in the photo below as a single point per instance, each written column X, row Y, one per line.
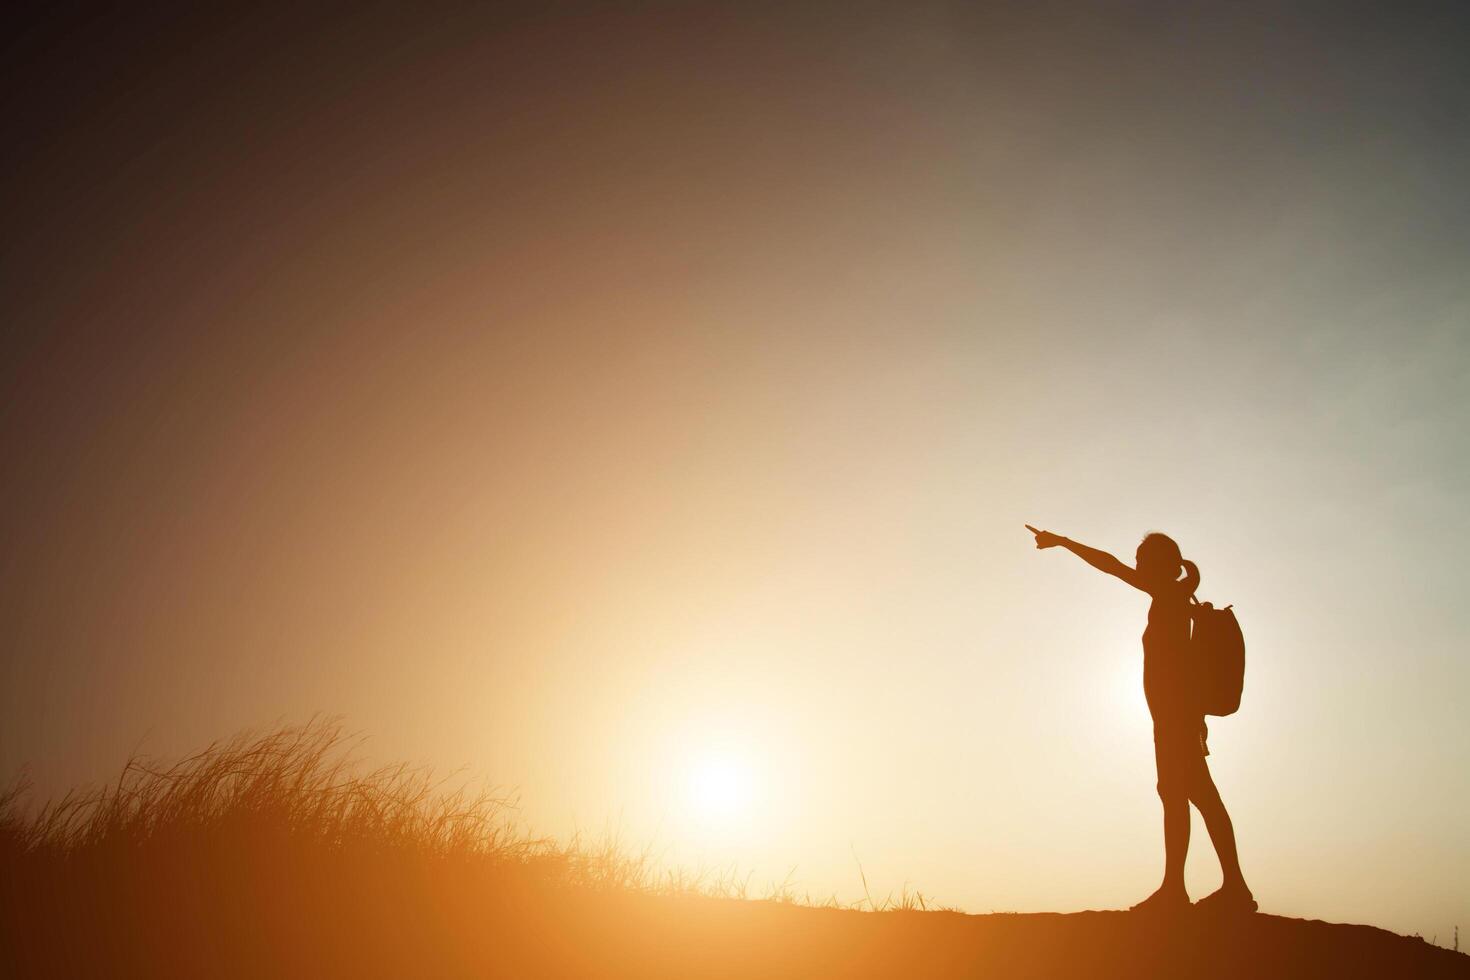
column 1179, row 723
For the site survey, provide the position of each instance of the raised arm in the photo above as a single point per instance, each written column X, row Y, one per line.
column 1100, row 560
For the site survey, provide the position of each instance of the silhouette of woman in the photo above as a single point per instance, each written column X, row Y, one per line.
column 1179, row 724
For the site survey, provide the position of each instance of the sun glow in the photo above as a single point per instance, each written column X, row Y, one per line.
column 720, row 788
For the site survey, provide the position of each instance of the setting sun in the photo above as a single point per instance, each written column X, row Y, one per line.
column 719, row 788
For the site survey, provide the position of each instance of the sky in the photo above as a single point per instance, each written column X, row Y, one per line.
column 639, row 407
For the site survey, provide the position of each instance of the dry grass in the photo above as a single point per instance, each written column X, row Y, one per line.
column 256, row 841
column 299, row 789
column 294, row 784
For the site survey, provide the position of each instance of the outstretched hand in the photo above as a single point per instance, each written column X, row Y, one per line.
column 1045, row 539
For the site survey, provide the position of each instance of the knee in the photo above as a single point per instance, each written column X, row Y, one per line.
column 1172, row 791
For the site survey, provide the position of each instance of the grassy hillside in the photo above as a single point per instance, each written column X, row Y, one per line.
column 272, row 856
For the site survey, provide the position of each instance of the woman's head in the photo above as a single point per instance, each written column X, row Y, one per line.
column 1158, row 558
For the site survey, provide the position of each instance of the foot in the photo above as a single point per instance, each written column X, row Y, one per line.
column 1166, row 899
column 1230, row 899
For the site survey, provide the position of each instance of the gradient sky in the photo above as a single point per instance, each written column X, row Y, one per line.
column 592, row 399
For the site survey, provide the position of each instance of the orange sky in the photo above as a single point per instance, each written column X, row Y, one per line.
column 643, row 410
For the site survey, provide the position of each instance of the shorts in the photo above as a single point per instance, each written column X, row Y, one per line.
column 1179, row 752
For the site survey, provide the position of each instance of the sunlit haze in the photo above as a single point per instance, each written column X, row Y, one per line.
column 640, row 412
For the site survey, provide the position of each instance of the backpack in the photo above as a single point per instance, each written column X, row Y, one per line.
column 1217, row 650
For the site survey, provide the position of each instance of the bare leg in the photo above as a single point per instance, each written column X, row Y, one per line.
column 1174, row 786
column 1176, row 840
column 1171, row 895
column 1222, row 834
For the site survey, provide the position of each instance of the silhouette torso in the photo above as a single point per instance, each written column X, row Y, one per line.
column 1165, row 652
